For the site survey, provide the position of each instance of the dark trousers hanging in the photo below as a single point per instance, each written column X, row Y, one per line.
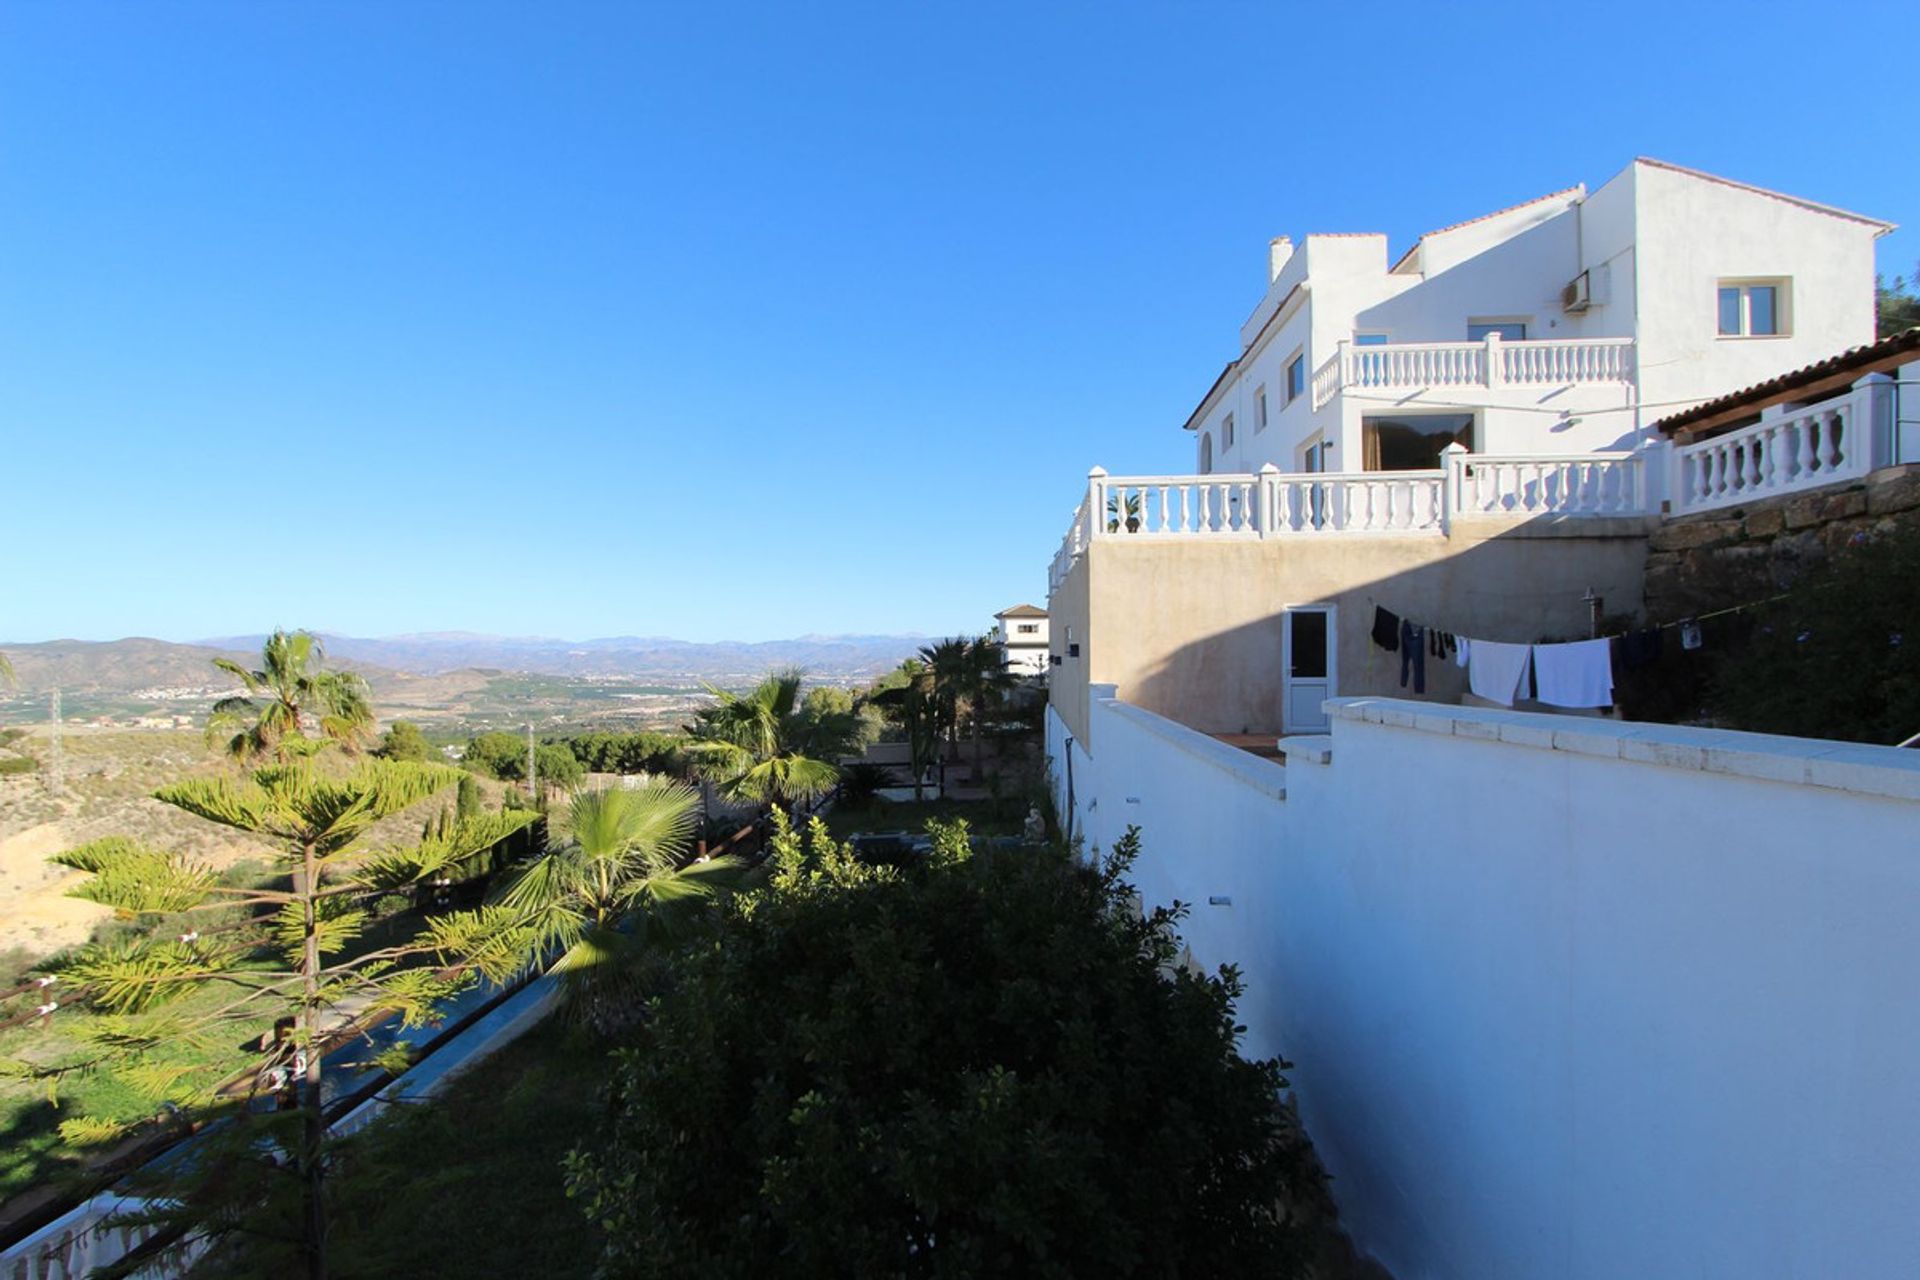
column 1413, row 656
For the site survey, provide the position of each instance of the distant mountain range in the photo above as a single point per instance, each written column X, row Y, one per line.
column 137, row 663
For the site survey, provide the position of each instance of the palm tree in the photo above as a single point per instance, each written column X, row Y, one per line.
column 291, row 689
column 912, row 702
column 763, row 747
column 987, row 683
column 950, row 666
column 614, row 877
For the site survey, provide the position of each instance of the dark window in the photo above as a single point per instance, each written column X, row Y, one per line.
column 1309, row 659
column 1296, row 378
column 1509, row 330
column 1412, row 441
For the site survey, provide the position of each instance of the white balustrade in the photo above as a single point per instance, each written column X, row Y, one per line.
column 1567, row 363
column 1804, row 449
column 1270, row 503
column 1410, row 366
column 1592, row 484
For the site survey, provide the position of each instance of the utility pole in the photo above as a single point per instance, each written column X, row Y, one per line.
column 56, row 762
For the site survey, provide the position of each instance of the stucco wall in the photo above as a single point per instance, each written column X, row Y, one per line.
column 1693, row 232
column 1566, row 998
column 1191, row 628
column 1067, row 678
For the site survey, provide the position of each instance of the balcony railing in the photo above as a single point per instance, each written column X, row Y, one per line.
column 1272, row 504
column 1803, row 449
column 1411, row 366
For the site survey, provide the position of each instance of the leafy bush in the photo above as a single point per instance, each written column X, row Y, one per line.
column 987, row 1066
column 497, row 755
column 404, row 741
column 630, row 752
column 17, row 764
column 1839, row 656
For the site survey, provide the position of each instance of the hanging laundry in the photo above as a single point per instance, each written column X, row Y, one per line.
column 1640, row 649
column 1574, row 675
column 1461, row 653
column 1413, row 656
column 1386, row 629
column 1497, row 671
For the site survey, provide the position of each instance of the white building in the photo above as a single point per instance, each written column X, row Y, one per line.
column 1023, row 637
column 1560, row 991
column 1560, row 326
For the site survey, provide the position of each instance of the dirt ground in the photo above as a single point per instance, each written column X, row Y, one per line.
column 109, row 777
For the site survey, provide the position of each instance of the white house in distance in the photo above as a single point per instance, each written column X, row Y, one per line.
column 1022, row 633
column 1560, row 326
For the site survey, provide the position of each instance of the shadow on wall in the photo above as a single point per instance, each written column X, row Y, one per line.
column 1222, row 668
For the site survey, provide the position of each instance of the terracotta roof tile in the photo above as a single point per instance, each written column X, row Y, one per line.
column 1782, row 387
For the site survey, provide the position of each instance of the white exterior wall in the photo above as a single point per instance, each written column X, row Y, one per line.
column 1567, row 998
column 1692, row 233
column 1026, row 652
column 1655, row 242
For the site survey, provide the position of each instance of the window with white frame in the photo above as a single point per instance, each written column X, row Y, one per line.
column 1259, row 410
column 1753, row 308
column 1206, row 453
column 1029, row 628
column 1226, row 432
column 1296, row 376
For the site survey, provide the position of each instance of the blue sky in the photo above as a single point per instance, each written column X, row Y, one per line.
column 726, row 321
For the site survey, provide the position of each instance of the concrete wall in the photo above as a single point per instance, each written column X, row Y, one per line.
column 1191, row 628
column 1067, row 672
column 1566, row 998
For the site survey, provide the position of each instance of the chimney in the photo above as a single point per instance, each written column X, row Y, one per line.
column 1279, row 251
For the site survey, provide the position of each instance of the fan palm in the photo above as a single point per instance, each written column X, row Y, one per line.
column 951, row 667
column 911, row 702
column 613, row 878
column 763, row 747
column 987, row 683
column 288, row 690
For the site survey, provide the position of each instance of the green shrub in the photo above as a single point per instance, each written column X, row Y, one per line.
column 861, row 782
column 17, row 764
column 1839, row 656
column 987, row 1066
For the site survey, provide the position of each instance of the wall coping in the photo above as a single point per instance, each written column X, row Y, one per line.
column 1263, row 775
column 1855, row 767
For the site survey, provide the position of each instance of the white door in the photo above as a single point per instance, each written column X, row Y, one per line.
column 1308, row 659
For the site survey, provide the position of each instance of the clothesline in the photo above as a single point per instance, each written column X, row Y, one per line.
column 1573, row 674
column 1619, row 635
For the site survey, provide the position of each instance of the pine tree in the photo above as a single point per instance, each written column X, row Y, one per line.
column 305, row 932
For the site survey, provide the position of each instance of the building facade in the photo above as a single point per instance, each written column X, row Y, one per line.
column 1561, row 326
column 1023, row 637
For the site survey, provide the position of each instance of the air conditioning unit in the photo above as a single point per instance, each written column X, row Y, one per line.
column 1578, row 295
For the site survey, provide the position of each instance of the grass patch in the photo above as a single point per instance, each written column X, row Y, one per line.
column 471, row 1184
column 984, row 817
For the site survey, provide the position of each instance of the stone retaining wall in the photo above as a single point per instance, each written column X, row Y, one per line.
column 1718, row 559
